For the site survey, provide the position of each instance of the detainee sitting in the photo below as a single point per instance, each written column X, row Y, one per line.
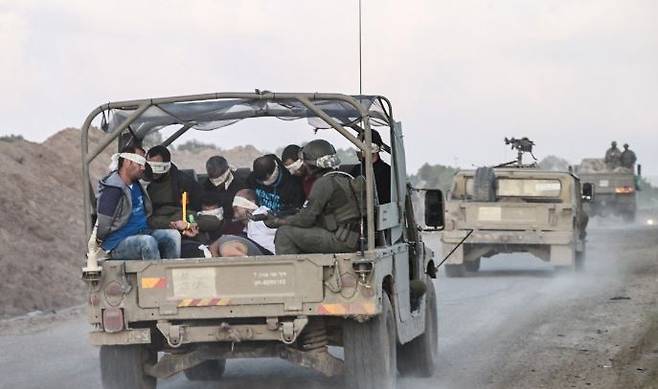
column 256, row 237
column 206, row 228
column 123, row 209
column 166, row 188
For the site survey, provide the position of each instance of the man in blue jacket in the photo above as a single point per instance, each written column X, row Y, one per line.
column 123, row 209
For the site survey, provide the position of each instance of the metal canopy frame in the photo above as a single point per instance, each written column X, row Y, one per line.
column 307, row 99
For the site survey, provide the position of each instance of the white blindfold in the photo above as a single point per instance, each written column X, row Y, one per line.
column 239, row 201
column 138, row 159
column 159, row 167
column 295, row 166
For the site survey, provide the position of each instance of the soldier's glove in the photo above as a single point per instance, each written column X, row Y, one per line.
column 273, row 221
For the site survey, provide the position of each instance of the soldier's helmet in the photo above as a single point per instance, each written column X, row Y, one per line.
column 320, row 153
column 614, row 143
column 625, row 145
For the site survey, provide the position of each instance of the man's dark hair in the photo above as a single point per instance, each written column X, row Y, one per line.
column 290, row 152
column 264, row 166
column 210, row 199
column 161, row 151
column 216, row 166
column 130, row 148
column 376, row 138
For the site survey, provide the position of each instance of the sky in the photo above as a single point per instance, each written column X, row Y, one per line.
column 570, row 74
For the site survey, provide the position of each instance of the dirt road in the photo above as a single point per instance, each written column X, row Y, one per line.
column 513, row 325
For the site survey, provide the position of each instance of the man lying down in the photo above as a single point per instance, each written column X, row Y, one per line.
column 256, row 237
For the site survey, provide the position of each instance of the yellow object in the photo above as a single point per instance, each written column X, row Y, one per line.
column 184, row 203
column 154, row 282
column 347, row 309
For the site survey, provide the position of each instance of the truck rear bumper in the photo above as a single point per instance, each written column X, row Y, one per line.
column 557, row 247
column 133, row 336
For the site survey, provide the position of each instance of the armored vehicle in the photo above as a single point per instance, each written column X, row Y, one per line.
column 614, row 190
column 514, row 208
column 153, row 319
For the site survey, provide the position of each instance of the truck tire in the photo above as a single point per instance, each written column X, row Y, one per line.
column 484, row 185
column 211, row 370
column 370, row 351
column 122, row 367
column 472, row 266
column 453, row 271
column 418, row 358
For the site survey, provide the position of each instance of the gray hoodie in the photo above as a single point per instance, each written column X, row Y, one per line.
column 114, row 205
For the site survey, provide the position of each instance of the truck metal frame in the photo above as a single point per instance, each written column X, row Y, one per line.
column 379, row 304
column 552, row 229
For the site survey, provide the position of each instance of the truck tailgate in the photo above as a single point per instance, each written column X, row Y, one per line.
column 225, row 282
column 520, row 216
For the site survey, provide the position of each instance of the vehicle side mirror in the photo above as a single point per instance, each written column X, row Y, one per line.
column 587, row 192
column 434, row 209
column 639, row 170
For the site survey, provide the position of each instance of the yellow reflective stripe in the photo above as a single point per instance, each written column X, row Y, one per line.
column 153, row 282
column 209, row 302
column 347, row 309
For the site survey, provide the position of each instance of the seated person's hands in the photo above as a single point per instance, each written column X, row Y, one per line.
column 180, row 225
column 191, row 232
column 187, row 229
column 259, row 217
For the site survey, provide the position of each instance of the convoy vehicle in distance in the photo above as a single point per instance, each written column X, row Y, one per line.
column 614, row 190
column 379, row 303
column 514, row 208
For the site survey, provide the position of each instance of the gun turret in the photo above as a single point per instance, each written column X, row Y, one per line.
column 523, row 145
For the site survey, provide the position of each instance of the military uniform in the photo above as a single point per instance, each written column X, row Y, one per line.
column 330, row 222
column 613, row 157
column 628, row 158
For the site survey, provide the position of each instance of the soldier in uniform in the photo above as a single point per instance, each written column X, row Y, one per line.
column 331, row 219
column 613, row 156
column 628, row 157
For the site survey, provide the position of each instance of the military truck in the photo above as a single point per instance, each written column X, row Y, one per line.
column 378, row 303
column 614, row 190
column 514, row 208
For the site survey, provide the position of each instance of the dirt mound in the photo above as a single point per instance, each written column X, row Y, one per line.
column 40, row 204
column 41, row 233
column 241, row 156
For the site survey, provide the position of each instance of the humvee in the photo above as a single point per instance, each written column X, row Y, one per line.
column 378, row 303
column 514, row 208
column 614, row 190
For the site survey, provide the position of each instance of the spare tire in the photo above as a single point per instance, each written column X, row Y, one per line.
column 484, row 184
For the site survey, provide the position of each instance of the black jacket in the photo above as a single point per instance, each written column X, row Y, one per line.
column 382, row 179
column 225, row 195
column 166, row 193
column 285, row 196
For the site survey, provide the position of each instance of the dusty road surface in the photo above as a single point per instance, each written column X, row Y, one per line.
column 515, row 324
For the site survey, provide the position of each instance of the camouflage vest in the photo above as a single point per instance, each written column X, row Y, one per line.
column 350, row 205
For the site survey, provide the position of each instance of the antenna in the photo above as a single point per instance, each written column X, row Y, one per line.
column 360, row 56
